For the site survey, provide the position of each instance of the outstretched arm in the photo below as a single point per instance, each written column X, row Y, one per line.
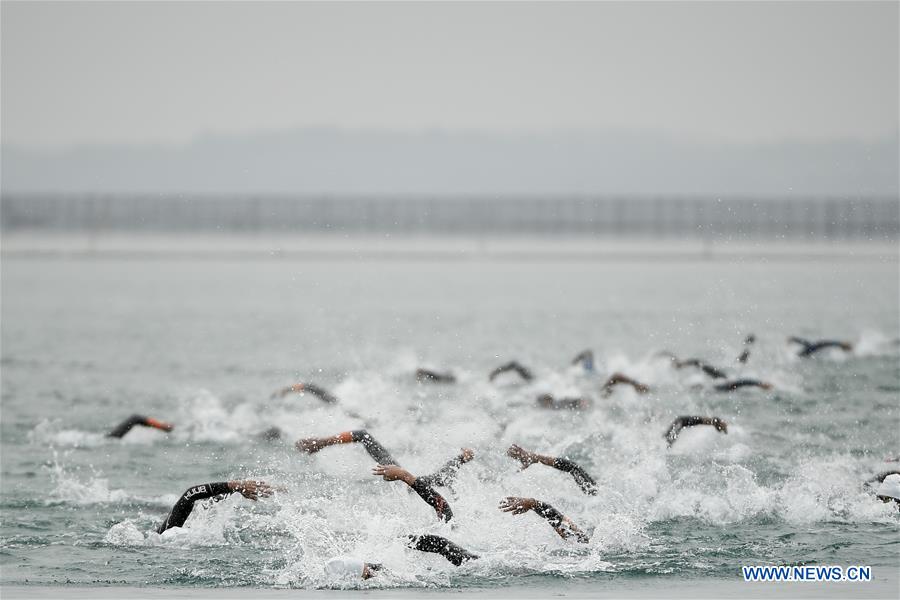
column 378, row 452
column 182, row 509
column 548, row 401
column 584, row 481
column 730, row 386
column 586, row 358
column 439, row 545
column 446, row 474
column 301, row 388
column 748, row 341
column 823, row 344
column 511, row 366
column 619, row 378
column 681, row 422
column 429, row 376
column 705, row 367
column 562, row 524
column 126, row 425
column 425, row 491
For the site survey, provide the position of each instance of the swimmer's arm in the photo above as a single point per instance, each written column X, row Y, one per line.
column 712, row 371
column 446, row 474
column 439, row 545
column 674, row 429
column 250, row 489
column 299, row 388
column 748, row 341
column 584, row 481
column 586, row 359
column 421, row 487
column 126, row 425
column 427, row 375
column 682, row 422
column 617, row 378
column 511, row 366
column 563, row 525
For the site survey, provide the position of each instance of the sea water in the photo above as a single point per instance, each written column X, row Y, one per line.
column 203, row 343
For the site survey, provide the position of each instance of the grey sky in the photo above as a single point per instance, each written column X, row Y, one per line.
column 76, row 73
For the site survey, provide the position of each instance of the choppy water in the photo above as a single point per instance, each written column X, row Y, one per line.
column 202, row 343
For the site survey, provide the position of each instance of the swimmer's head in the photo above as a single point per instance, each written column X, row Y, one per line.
column 889, row 489
column 720, row 425
column 348, row 569
column 750, row 339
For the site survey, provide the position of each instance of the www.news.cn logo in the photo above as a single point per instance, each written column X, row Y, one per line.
column 807, row 573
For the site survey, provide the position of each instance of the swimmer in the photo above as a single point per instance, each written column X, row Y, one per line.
column 730, row 386
column 889, row 489
column 562, row 524
column 523, row 372
column 748, row 341
column 443, row 477
column 350, row 568
column 302, row 388
column 584, row 481
column 586, row 359
column 681, row 422
column 810, row 348
column 429, row 376
column 881, row 476
column 618, row 378
column 703, row 366
column 419, row 485
column 248, row 488
column 126, row 425
column 548, row 401
column 440, row 545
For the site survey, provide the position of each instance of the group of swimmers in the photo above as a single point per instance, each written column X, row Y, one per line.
column 389, row 469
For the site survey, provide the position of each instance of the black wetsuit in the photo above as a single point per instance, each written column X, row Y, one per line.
column 730, row 386
column 586, row 358
column 548, row 401
column 185, row 504
column 126, row 425
column 445, row 475
column 810, row 348
column 705, row 367
column 321, row 393
column 584, row 481
column 422, row 485
column 511, row 366
column 428, row 376
column 558, row 522
column 746, row 353
column 682, row 422
column 439, row 545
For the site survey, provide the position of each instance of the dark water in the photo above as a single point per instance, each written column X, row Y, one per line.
column 87, row 342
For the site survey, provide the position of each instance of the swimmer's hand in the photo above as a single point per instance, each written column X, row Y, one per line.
column 522, row 455
column 250, row 489
column 393, row 473
column 517, row 506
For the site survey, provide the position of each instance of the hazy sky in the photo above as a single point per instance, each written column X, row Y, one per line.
column 77, row 73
